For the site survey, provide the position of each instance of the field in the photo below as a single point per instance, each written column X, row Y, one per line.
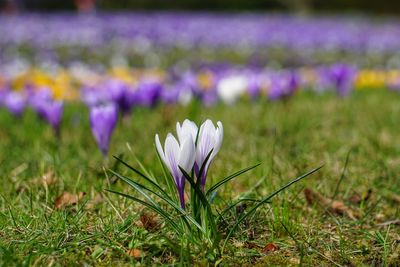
column 346, row 214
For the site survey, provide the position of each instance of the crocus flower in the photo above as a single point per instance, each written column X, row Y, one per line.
column 283, row 85
column 93, row 96
column 103, row 120
column 120, row 93
column 51, row 111
column 209, row 138
column 148, row 93
column 231, row 88
column 15, row 103
column 341, row 77
column 178, row 154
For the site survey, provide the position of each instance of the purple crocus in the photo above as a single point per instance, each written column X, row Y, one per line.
column 15, row 102
column 283, row 85
column 341, row 77
column 148, row 93
column 254, row 86
column 103, row 119
column 177, row 154
column 47, row 108
column 52, row 112
column 120, row 93
column 93, row 96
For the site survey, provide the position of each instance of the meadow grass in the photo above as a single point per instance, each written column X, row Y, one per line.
column 288, row 138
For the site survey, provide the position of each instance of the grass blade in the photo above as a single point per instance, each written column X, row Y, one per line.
column 230, row 177
column 152, row 207
column 265, row 200
column 139, row 188
column 142, row 175
column 204, row 202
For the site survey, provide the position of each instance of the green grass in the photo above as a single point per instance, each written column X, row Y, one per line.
column 289, row 139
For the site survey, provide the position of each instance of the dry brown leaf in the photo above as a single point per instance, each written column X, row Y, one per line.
column 149, row 221
column 66, row 199
column 49, row 178
column 395, row 198
column 251, row 245
column 135, row 253
column 93, row 203
column 270, row 247
column 333, row 206
column 339, row 208
column 357, row 198
column 315, row 197
column 392, row 222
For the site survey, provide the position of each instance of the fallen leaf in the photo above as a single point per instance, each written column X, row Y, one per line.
column 270, row 247
column 333, row 206
column 67, row 198
column 315, row 197
column 392, row 222
column 49, row 178
column 134, row 252
column 251, row 245
column 395, row 198
column 358, row 198
column 149, row 222
column 339, row 208
column 92, row 204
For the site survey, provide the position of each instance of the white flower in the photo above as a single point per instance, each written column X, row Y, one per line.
column 231, row 88
column 176, row 155
column 208, row 137
column 188, row 128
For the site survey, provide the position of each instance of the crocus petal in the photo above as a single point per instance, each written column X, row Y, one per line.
column 159, row 149
column 206, row 141
column 187, row 155
column 188, row 128
column 219, row 135
column 172, row 152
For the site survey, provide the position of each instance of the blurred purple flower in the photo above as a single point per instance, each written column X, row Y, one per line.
column 52, row 112
column 93, row 96
column 148, row 93
column 103, row 119
column 15, row 102
column 209, row 98
column 341, row 77
column 283, row 85
column 120, row 93
column 170, row 95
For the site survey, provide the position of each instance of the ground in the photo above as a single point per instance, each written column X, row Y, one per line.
column 341, row 224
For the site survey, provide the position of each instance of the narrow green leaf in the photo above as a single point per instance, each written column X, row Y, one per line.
column 152, row 207
column 203, row 166
column 205, row 203
column 142, row 175
column 230, row 177
column 138, row 187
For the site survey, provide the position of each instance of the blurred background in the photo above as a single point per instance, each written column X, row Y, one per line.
column 68, row 46
column 298, row 6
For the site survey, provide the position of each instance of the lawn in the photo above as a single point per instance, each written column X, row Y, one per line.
column 343, row 215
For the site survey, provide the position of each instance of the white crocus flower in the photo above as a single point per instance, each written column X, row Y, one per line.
column 229, row 89
column 188, row 128
column 176, row 155
column 209, row 138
